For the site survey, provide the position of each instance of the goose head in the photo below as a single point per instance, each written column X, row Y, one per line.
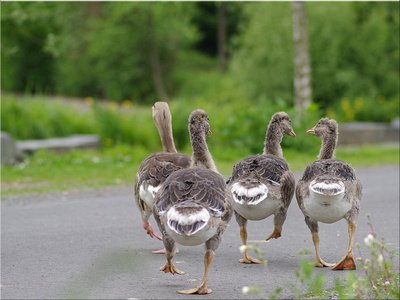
column 199, row 123
column 163, row 119
column 324, row 128
column 279, row 125
column 282, row 124
column 199, row 128
column 161, row 113
column 327, row 130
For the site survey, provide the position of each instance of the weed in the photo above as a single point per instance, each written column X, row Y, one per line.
column 379, row 281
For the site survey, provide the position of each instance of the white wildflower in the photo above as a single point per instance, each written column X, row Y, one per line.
column 245, row 289
column 369, row 239
column 243, row 248
column 380, row 259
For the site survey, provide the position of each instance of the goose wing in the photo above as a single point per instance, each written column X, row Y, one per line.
column 199, row 185
column 156, row 168
column 331, row 167
column 329, row 177
column 261, row 167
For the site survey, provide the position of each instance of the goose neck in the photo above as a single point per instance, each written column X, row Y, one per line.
column 272, row 143
column 166, row 136
column 328, row 147
column 201, row 156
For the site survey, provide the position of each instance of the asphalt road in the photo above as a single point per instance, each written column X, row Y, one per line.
column 91, row 245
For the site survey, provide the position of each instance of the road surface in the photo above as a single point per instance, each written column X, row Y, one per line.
column 90, row 244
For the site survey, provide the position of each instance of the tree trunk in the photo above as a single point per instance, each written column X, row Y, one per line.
column 94, row 9
column 221, row 36
column 155, row 63
column 302, row 72
column 156, row 71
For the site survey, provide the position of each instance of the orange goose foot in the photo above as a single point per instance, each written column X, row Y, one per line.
column 347, row 263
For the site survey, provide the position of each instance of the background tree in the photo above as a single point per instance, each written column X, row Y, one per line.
column 26, row 63
column 150, row 50
column 302, row 73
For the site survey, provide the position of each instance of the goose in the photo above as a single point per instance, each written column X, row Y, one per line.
column 193, row 205
column 262, row 185
column 155, row 168
column 328, row 192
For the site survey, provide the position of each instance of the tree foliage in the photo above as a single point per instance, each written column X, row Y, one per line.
column 146, row 51
column 354, row 50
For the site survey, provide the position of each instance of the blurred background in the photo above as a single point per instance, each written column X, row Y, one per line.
column 97, row 67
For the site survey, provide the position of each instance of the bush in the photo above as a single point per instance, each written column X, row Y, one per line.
column 38, row 119
column 361, row 109
column 237, row 125
column 345, row 60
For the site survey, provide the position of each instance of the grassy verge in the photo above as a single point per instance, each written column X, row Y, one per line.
column 44, row 171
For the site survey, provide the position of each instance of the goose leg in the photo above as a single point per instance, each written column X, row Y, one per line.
column 347, row 262
column 153, row 234
column 320, row 263
column 247, row 259
column 287, row 190
column 170, row 250
column 202, row 289
column 276, row 233
column 169, row 266
column 150, row 231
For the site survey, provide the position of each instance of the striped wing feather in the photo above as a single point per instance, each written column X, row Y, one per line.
column 262, row 167
column 156, row 168
column 335, row 168
column 198, row 185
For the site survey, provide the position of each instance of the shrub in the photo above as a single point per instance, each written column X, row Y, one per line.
column 361, row 109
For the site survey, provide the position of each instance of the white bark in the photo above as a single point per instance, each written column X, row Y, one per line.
column 302, row 72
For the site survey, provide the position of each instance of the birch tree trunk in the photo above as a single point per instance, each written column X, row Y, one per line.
column 302, row 71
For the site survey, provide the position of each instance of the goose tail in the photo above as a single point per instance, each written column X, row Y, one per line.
column 187, row 218
column 249, row 192
column 327, row 191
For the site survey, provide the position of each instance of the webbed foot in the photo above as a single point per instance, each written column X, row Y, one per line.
column 170, row 268
column 346, row 263
column 200, row 290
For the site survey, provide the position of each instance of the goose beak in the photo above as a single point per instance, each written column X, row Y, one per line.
column 291, row 133
column 311, row 131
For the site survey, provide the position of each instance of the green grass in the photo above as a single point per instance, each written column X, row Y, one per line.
column 83, row 169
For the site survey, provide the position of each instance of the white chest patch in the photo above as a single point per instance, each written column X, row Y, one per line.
column 148, row 195
column 326, row 202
